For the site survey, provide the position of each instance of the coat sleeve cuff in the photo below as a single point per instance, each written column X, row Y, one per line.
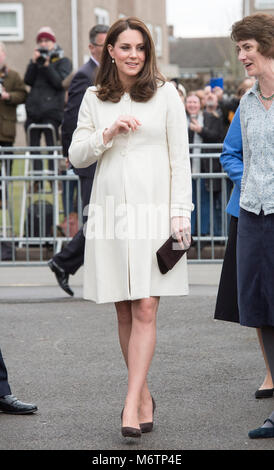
column 100, row 147
column 180, row 213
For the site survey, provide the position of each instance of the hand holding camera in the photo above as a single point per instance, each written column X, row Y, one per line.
column 41, row 56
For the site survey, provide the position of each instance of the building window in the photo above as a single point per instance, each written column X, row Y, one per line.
column 264, row 4
column 11, row 22
column 158, row 41
column 101, row 16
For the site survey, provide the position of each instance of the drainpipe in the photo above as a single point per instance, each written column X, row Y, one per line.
column 74, row 34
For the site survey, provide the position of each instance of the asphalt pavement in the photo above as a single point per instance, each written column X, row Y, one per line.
column 62, row 353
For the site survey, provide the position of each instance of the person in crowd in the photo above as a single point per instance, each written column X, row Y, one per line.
column 12, row 93
column 71, row 257
column 195, row 116
column 233, row 103
column 254, row 37
column 227, row 106
column 201, row 94
column 180, row 88
column 206, row 91
column 207, row 128
column 226, row 308
column 212, row 107
column 45, row 74
column 134, row 125
column 8, row 402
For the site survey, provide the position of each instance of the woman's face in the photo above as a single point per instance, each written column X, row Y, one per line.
column 253, row 61
column 193, row 105
column 129, row 54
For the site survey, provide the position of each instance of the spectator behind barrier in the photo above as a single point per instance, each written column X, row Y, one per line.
column 45, row 75
column 205, row 127
column 12, row 93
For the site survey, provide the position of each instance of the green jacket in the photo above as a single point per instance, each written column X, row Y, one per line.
column 15, row 86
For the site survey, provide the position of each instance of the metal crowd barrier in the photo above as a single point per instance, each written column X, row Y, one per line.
column 35, row 206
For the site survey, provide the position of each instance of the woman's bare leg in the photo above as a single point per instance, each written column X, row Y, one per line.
column 141, row 346
column 267, row 383
column 124, row 316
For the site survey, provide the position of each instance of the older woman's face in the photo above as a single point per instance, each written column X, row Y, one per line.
column 253, row 61
column 193, row 105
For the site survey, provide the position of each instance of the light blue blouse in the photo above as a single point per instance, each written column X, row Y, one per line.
column 257, row 125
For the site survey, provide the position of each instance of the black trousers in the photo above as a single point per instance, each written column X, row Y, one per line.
column 71, row 257
column 4, row 385
column 35, row 138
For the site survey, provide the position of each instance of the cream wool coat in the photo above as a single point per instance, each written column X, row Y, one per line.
column 141, row 177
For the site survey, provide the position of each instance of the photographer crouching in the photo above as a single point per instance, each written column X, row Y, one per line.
column 45, row 103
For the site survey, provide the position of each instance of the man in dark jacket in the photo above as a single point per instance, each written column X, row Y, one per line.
column 69, row 260
column 45, row 103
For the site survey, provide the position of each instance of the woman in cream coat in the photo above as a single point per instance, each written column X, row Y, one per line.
column 133, row 124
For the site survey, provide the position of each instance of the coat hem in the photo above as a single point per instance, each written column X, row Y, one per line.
column 118, row 299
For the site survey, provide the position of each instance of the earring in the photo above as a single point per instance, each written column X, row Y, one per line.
column 113, row 61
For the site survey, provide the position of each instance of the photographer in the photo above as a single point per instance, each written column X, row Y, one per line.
column 45, row 74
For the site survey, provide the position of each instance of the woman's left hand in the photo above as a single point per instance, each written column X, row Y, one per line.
column 181, row 230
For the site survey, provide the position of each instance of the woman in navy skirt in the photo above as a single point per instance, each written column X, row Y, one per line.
column 226, row 308
column 254, row 36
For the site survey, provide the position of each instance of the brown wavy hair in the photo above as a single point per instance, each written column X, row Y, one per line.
column 109, row 86
column 260, row 27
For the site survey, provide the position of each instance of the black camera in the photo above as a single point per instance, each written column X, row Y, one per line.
column 44, row 53
column 1, row 86
column 53, row 54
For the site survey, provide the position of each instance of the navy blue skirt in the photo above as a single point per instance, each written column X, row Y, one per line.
column 255, row 269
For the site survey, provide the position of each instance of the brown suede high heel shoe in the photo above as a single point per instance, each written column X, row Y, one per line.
column 147, row 427
column 128, row 431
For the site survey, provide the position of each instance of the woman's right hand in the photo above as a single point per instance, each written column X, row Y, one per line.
column 122, row 125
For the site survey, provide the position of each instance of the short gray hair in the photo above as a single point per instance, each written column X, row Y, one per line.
column 97, row 29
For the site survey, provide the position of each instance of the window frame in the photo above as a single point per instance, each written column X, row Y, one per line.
column 102, row 13
column 13, row 33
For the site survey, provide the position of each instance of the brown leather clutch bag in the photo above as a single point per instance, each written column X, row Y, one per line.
column 169, row 254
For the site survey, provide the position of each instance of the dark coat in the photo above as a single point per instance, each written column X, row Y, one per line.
column 83, row 78
column 14, row 85
column 47, row 94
